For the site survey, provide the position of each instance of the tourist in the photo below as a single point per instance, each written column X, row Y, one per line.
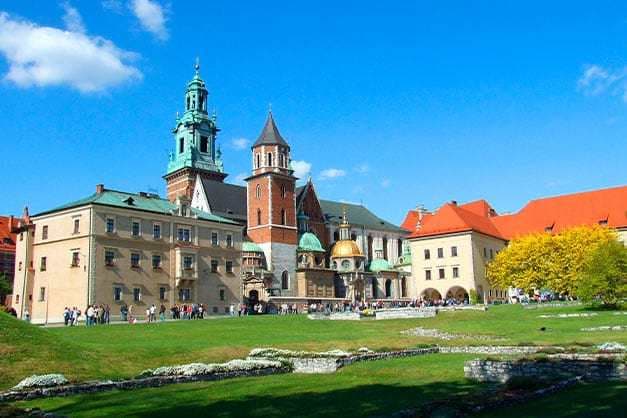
column 153, row 313
column 162, row 313
column 148, row 315
column 123, row 312
column 232, row 310
column 66, row 316
column 107, row 314
column 90, row 315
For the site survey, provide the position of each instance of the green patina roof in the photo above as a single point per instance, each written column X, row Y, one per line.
column 358, row 215
column 251, row 247
column 149, row 203
column 309, row 242
column 379, row 264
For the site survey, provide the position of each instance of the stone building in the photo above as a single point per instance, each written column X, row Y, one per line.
column 8, row 224
column 120, row 248
column 451, row 247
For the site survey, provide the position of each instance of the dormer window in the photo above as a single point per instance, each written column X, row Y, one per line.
column 548, row 229
column 603, row 222
column 129, row 201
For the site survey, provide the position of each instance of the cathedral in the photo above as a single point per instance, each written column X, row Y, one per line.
column 297, row 247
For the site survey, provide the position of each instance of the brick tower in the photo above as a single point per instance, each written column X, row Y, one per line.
column 271, row 206
column 195, row 154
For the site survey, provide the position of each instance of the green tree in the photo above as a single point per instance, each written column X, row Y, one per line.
column 604, row 276
column 6, row 287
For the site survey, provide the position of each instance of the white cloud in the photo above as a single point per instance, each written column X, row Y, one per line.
column 362, row 168
column 240, row 143
column 239, row 179
column 113, row 6
column 597, row 80
column 301, row 169
column 151, row 17
column 72, row 19
column 331, row 173
column 47, row 56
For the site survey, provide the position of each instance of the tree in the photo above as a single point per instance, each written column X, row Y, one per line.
column 6, row 287
column 604, row 276
column 547, row 261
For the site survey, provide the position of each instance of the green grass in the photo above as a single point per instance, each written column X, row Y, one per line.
column 363, row 389
column 123, row 350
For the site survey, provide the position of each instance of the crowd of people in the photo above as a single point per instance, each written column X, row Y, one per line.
column 94, row 315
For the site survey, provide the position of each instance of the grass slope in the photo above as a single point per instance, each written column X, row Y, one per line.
column 122, row 351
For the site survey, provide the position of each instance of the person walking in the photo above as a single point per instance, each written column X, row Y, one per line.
column 66, row 316
column 162, row 313
column 90, row 315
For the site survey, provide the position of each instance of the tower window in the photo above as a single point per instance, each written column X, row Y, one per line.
column 283, row 217
column 280, row 160
column 258, row 191
column 204, row 144
column 258, row 161
column 283, row 192
column 269, row 159
column 187, row 108
column 258, row 216
column 285, row 280
column 181, row 145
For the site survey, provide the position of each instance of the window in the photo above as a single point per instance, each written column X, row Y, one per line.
column 427, row 254
column 229, row 267
column 214, row 239
column 221, row 294
column 44, row 232
column 283, row 192
column 184, row 234
column 77, row 226
column 188, row 262
column 135, row 260
column 182, row 142
column 269, row 159
column 162, row 293
column 258, row 191
column 285, row 280
column 229, row 241
column 441, row 274
column 19, row 266
column 491, row 253
column 135, row 229
column 440, row 252
column 42, row 294
column 137, row 294
column 280, row 160
column 455, row 272
column 185, row 294
column 42, row 264
column 257, row 161
column 109, row 257
column 282, row 216
column 204, row 144
column 427, row 274
column 485, row 252
column 75, row 258
column 453, row 251
column 110, row 225
column 258, row 216
column 346, row 265
column 156, row 261
column 156, row 231
column 214, row 266
column 21, row 236
column 117, row 293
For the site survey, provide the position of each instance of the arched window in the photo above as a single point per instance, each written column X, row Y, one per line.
column 187, row 107
column 285, row 280
column 388, row 288
column 181, row 145
column 258, row 216
column 280, row 160
column 375, row 285
column 269, row 159
column 353, row 236
column 258, row 191
column 283, row 220
column 399, row 247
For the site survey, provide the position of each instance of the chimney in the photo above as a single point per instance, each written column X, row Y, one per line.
column 454, row 202
column 10, row 223
column 100, row 188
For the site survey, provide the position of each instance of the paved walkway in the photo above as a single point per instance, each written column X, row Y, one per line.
column 140, row 321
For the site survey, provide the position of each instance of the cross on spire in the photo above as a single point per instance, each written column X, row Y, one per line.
column 197, row 66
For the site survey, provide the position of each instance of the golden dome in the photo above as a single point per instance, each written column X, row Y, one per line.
column 346, row 248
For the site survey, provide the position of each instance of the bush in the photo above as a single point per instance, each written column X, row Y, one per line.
column 604, row 277
column 473, row 297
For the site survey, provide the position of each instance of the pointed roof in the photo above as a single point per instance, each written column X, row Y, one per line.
column 270, row 134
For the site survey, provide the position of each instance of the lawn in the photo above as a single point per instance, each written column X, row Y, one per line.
column 123, row 351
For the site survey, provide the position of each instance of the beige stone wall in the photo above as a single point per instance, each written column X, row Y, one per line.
column 484, row 251
column 93, row 281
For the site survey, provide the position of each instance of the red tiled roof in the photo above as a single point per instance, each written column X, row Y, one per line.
column 7, row 238
column 605, row 206
column 411, row 220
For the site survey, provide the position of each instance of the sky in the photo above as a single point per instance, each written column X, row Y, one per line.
column 391, row 104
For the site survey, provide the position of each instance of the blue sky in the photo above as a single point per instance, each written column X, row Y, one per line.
column 392, row 104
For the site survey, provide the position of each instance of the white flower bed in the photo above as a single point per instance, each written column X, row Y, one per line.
column 612, row 346
column 280, row 353
column 201, row 369
column 570, row 315
column 38, row 381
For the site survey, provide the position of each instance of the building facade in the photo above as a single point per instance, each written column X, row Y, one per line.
column 115, row 248
column 451, row 247
column 8, row 237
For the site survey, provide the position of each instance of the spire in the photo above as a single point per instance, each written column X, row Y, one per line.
column 345, row 227
column 270, row 134
column 197, row 67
